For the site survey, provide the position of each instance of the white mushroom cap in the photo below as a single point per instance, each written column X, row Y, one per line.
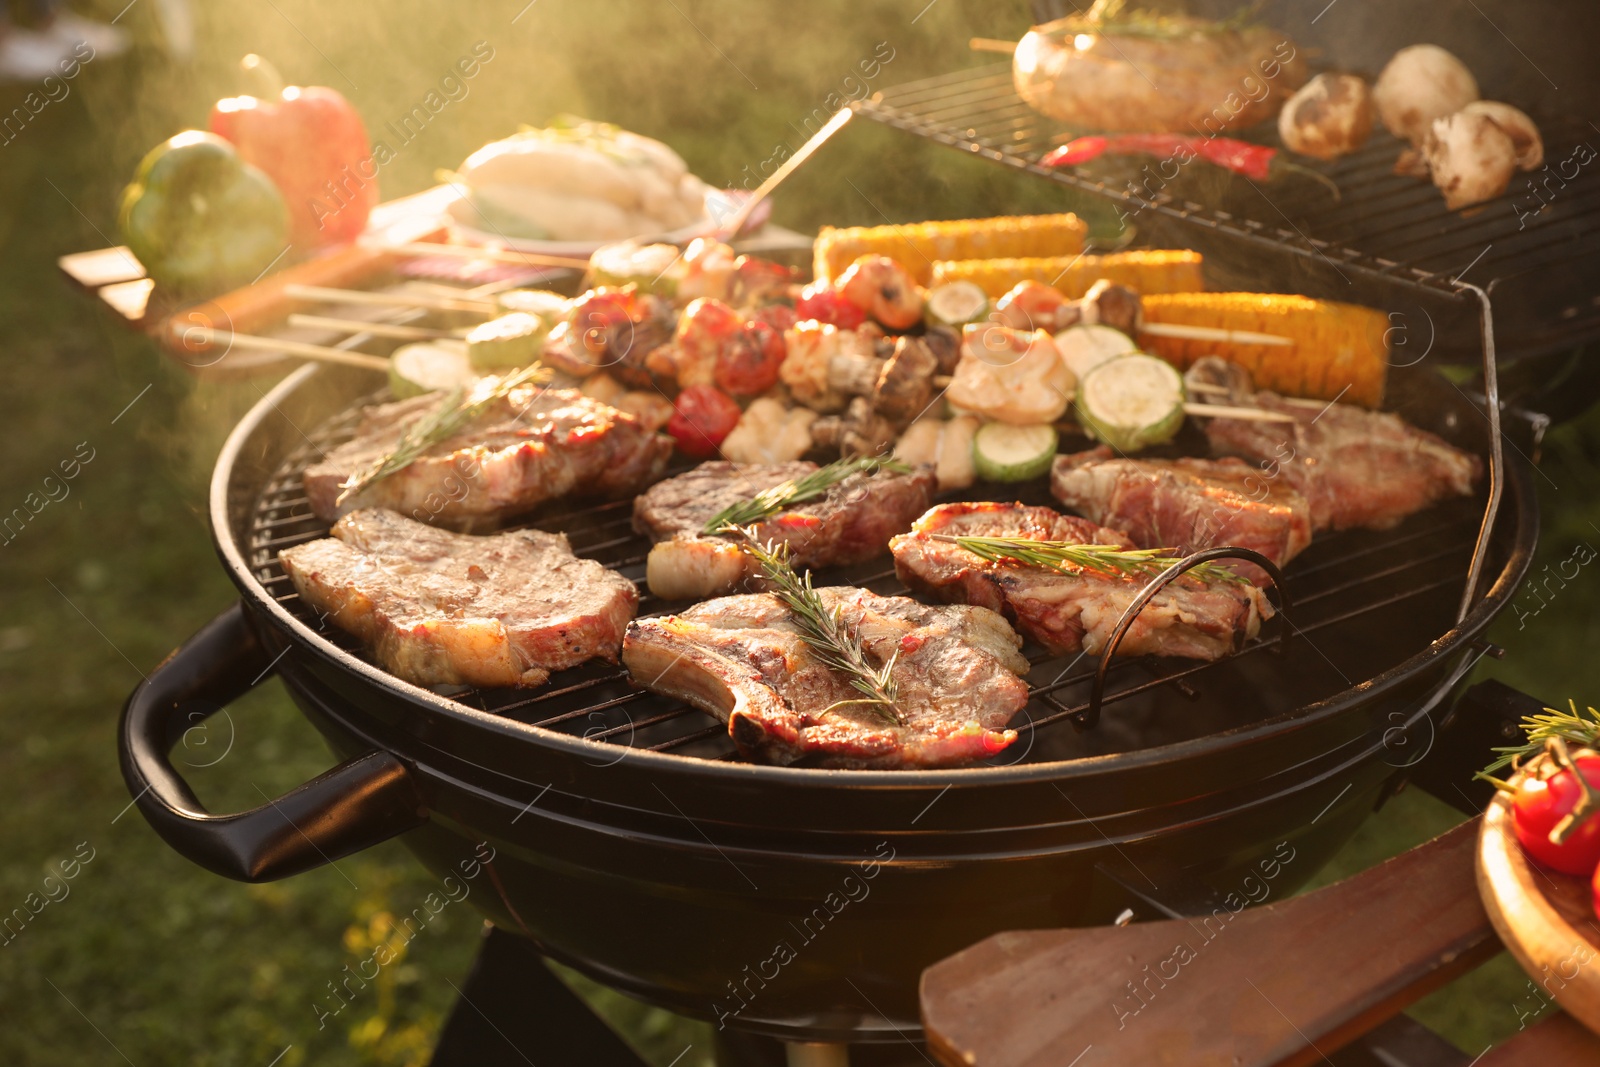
column 1471, row 158
column 1330, row 116
column 1420, row 84
column 1516, row 125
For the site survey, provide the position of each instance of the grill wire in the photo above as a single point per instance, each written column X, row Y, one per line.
column 1536, row 243
column 1338, row 585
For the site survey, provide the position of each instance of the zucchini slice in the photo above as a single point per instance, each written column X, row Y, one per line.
column 1006, row 453
column 432, row 366
column 551, row 307
column 650, row 267
column 1083, row 348
column 1131, row 402
column 957, row 303
column 510, row 341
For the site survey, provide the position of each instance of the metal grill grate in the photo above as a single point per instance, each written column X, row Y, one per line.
column 1540, row 253
column 1346, row 587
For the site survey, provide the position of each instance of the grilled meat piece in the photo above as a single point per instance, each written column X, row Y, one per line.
column 1187, row 504
column 851, row 522
column 440, row 608
column 1067, row 612
column 1354, row 467
column 742, row 659
column 529, row 447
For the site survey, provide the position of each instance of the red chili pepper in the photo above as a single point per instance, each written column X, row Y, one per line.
column 1251, row 160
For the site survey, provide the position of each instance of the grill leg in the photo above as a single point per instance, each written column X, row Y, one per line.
column 817, row 1055
column 513, row 1012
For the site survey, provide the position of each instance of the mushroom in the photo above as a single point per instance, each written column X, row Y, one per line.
column 1109, row 304
column 858, row 432
column 899, row 387
column 1471, row 158
column 1420, row 84
column 1330, row 116
column 1516, row 125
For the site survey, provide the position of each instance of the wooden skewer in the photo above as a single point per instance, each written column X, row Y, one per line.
column 321, row 353
column 1211, row 333
column 792, row 164
column 1228, row 411
column 991, row 44
column 495, row 255
column 404, row 300
column 377, row 329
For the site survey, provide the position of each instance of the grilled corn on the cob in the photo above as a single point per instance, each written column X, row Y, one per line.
column 1337, row 348
column 917, row 246
column 1152, row 271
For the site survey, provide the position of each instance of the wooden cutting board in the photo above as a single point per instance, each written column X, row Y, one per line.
column 1545, row 918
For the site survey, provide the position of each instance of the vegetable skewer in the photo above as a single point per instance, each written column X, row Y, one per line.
column 496, row 255
column 406, row 300
column 377, row 329
column 204, row 335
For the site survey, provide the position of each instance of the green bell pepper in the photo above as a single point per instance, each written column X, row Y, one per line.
column 200, row 219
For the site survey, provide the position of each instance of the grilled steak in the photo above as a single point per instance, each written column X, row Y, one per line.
column 440, row 608
column 1067, row 612
column 532, row 446
column 741, row 658
column 851, row 522
column 1354, row 467
column 1187, row 504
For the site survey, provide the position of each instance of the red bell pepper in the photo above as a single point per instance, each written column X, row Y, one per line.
column 312, row 144
column 1254, row 161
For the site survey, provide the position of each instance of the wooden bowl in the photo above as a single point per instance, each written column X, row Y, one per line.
column 1545, row 918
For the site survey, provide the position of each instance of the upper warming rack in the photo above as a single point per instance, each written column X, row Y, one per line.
column 1535, row 249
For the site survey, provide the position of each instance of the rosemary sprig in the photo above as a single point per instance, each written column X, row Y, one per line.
column 1109, row 18
column 1067, row 557
column 795, row 491
column 1574, row 728
column 836, row 643
column 458, row 409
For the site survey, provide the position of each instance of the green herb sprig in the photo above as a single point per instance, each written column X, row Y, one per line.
column 1572, row 727
column 770, row 501
column 835, row 642
column 1067, row 557
column 1111, row 18
column 458, row 410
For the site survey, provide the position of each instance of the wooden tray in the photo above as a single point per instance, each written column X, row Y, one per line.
column 1545, row 918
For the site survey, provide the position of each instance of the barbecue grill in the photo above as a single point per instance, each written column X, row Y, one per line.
column 631, row 843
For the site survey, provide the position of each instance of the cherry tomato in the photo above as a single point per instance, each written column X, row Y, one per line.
column 779, row 316
column 1594, row 889
column 701, row 418
column 1541, row 802
column 749, row 363
column 820, row 303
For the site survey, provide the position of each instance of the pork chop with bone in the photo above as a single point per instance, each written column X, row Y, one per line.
column 742, row 659
column 528, row 447
column 850, row 522
column 1193, row 617
column 441, row 608
column 1355, row 467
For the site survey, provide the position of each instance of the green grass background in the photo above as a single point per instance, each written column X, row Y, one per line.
column 150, row 959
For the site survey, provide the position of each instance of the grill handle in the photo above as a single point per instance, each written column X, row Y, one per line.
column 359, row 803
column 1089, row 717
